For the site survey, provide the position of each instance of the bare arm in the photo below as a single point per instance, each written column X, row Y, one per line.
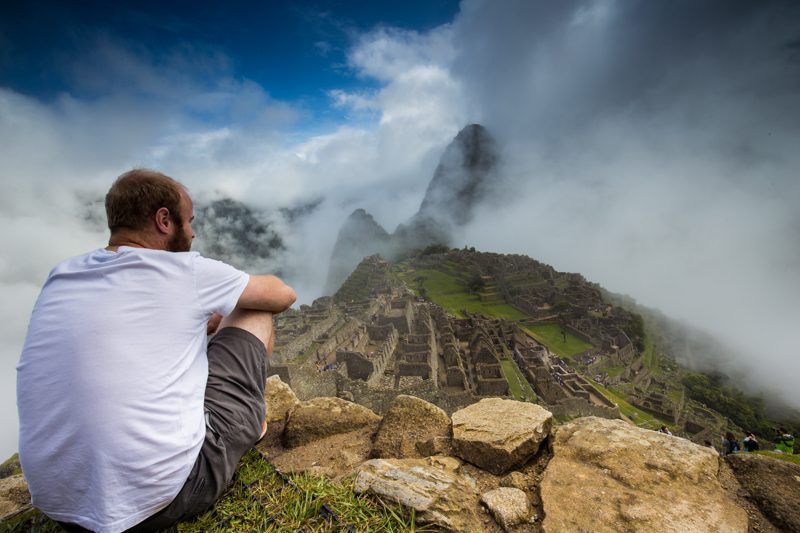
column 266, row 293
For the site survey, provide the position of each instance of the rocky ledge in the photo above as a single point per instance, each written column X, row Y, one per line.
column 501, row 465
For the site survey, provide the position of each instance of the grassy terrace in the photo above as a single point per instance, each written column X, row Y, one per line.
column 259, row 499
column 448, row 291
column 550, row 335
column 519, row 387
column 637, row 416
column 650, row 357
column 782, row 456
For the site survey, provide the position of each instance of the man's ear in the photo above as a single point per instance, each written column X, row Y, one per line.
column 163, row 220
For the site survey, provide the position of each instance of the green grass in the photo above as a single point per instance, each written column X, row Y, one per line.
column 782, row 456
column 550, row 335
column 520, row 388
column 615, row 371
column 10, row 466
column 258, row 499
column 312, row 348
column 649, row 356
column 639, row 417
column 449, row 292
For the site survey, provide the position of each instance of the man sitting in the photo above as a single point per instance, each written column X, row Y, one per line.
column 129, row 419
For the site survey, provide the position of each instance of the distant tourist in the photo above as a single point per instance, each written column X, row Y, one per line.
column 750, row 443
column 665, row 430
column 785, row 441
column 729, row 444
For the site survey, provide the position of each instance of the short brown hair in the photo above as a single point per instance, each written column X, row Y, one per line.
column 136, row 196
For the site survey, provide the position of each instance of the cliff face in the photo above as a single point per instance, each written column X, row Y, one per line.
column 463, row 178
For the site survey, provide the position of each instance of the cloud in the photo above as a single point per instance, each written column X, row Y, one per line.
column 649, row 146
column 651, row 149
column 185, row 112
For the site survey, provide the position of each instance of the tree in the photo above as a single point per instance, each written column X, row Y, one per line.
column 475, row 284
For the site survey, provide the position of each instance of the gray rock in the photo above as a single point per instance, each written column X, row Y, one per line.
column 772, row 484
column 279, row 398
column 517, row 480
column 609, row 476
column 431, row 486
column 410, row 428
column 435, row 446
column 13, row 494
column 322, row 417
column 509, row 506
column 346, row 395
column 499, row 435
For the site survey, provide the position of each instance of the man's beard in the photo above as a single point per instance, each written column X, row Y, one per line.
column 180, row 242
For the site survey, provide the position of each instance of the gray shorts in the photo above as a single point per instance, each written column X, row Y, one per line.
column 235, row 416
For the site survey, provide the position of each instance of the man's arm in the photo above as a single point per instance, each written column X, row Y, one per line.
column 266, row 293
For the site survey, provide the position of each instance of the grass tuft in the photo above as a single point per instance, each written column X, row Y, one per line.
column 260, row 499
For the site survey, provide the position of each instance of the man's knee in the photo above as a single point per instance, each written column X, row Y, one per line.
column 259, row 323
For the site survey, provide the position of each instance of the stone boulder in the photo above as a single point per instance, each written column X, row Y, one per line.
column 499, row 435
column 432, row 487
column 509, row 506
column 772, row 484
column 411, row 427
column 13, row 495
column 279, row 398
column 610, row 476
column 322, row 417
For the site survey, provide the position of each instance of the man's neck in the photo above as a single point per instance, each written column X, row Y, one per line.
column 133, row 241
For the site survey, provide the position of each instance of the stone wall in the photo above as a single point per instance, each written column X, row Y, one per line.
column 306, row 385
column 358, row 366
column 422, row 370
column 379, row 400
column 300, row 343
column 379, row 333
column 342, row 334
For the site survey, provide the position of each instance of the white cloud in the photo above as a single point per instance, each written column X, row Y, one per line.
column 659, row 166
column 189, row 116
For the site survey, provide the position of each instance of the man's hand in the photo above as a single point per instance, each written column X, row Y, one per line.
column 213, row 324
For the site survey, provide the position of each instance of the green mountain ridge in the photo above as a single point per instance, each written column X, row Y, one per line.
column 576, row 320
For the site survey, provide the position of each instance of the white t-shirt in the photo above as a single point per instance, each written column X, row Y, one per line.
column 111, row 382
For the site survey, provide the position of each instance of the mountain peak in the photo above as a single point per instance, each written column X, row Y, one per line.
column 463, row 178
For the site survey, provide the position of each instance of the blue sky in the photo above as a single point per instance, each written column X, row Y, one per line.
column 650, row 146
column 297, row 51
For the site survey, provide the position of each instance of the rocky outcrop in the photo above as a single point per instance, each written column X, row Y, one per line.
column 591, row 474
column 772, row 484
column 13, row 494
column 279, row 398
column 610, row 476
column 499, row 435
column 410, row 428
column 432, row 487
column 322, row 417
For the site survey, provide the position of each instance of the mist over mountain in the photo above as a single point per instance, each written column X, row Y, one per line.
column 464, row 178
column 247, row 238
column 650, row 146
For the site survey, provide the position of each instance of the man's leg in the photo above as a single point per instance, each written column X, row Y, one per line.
column 235, row 413
column 259, row 323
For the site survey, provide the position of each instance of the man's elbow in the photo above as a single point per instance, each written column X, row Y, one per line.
column 287, row 297
column 267, row 293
